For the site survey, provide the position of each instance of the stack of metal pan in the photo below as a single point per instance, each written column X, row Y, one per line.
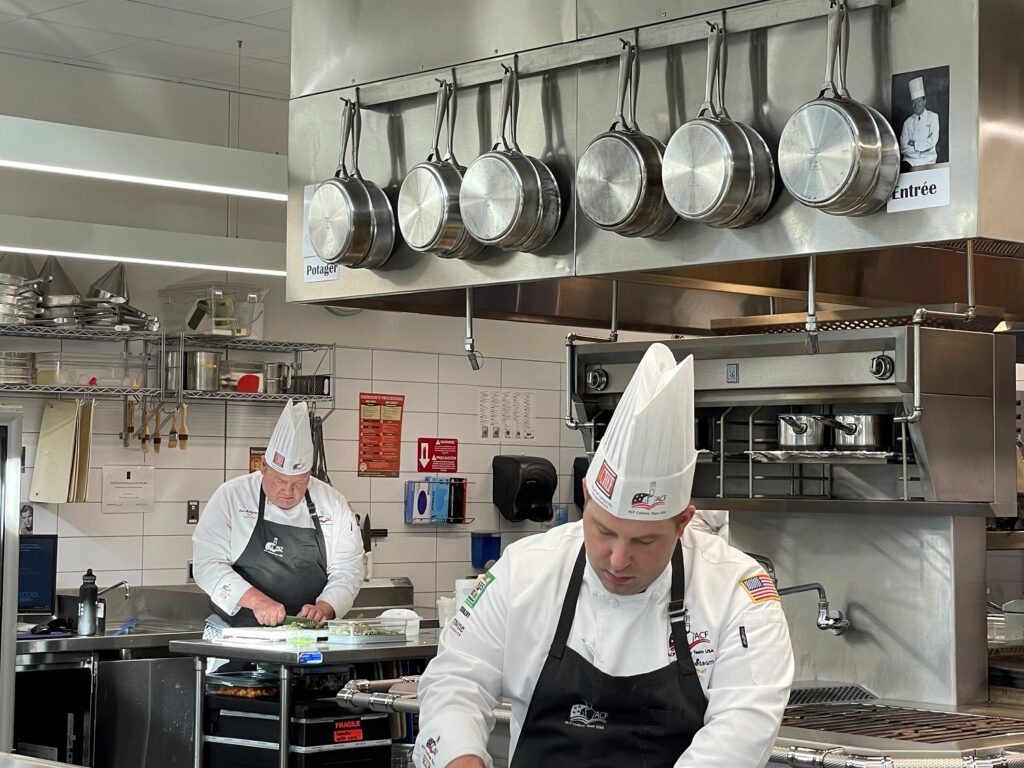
column 19, row 299
column 836, row 154
column 16, row 367
column 717, row 170
column 106, row 306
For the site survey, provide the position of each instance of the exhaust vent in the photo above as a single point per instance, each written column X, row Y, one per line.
column 983, row 246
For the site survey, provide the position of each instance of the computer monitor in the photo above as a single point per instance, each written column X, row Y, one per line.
column 37, row 575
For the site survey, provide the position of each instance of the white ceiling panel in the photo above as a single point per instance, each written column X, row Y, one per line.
column 277, row 19
column 56, row 40
column 267, row 76
column 32, row 7
column 224, row 9
column 158, row 58
column 7, row 17
column 257, row 42
column 128, row 18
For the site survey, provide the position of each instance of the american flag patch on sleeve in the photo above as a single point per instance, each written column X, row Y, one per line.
column 760, row 588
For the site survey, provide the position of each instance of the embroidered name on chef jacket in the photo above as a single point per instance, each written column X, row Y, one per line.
column 701, row 649
column 248, row 514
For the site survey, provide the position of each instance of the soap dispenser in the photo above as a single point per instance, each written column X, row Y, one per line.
column 88, row 596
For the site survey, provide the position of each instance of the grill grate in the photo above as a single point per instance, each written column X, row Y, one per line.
column 900, row 723
column 831, row 694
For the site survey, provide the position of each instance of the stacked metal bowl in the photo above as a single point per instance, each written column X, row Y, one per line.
column 19, row 299
column 16, row 367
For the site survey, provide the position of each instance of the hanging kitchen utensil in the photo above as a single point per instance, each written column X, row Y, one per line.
column 467, row 246
column 382, row 217
column 112, row 286
column 889, row 167
column 428, row 202
column 762, row 183
column 55, row 280
column 183, row 431
column 830, row 150
column 509, row 199
column 618, row 178
column 340, row 226
column 708, row 172
column 172, row 438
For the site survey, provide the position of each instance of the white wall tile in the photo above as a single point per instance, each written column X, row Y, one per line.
column 156, row 577
column 390, row 516
column 355, row 363
column 421, row 574
column 420, row 397
column 342, row 425
column 458, row 398
column 417, row 425
column 347, row 391
column 425, row 602
column 202, row 451
column 447, row 573
column 455, row 369
column 168, row 519
column 73, row 579
column 400, row 547
column 404, row 366
column 106, row 552
column 462, row 427
column 453, row 547
column 166, row 551
column 78, row 520
column 354, row 488
column 185, row 484
column 528, row 374
column 476, row 459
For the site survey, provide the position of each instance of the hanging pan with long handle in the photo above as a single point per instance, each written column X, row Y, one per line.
column 466, row 246
column 889, row 167
column 762, row 176
column 830, row 149
column 428, row 202
column 339, row 217
column 707, row 170
column 382, row 217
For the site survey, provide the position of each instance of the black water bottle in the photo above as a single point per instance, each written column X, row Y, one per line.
column 87, row 597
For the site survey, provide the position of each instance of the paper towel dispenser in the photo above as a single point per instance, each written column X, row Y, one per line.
column 524, row 487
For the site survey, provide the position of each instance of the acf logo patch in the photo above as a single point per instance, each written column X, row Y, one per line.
column 478, row 591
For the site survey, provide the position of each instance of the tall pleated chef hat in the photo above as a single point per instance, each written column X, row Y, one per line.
column 290, row 450
column 917, row 88
column 643, row 468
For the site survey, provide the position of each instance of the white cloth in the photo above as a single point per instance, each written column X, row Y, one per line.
column 923, row 130
column 496, row 648
column 290, row 450
column 227, row 524
column 643, row 468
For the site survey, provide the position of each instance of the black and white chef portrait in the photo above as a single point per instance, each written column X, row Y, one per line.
column 920, row 115
column 27, row 518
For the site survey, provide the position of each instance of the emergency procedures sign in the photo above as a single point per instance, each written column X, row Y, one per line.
column 380, row 434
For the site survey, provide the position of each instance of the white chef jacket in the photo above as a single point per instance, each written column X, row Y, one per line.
column 496, row 648
column 227, row 524
column 923, row 130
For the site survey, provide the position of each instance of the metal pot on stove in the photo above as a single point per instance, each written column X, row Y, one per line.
column 857, row 432
column 801, row 431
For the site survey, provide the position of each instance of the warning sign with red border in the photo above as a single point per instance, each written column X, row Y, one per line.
column 437, row 454
column 380, row 434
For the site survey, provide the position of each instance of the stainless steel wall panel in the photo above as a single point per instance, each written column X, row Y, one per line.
column 396, row 137
column 338, row 44
column 913, row 588
column 599, row 17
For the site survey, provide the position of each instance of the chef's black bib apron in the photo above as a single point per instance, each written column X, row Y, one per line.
column 580, row 716
column 286, row 563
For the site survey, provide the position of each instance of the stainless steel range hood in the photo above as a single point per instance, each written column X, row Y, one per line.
column 693, row 274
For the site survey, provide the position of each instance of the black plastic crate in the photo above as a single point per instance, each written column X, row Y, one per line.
column 317, row 723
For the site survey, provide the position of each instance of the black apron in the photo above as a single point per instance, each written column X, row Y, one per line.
column 581, row 716
column 286, row 563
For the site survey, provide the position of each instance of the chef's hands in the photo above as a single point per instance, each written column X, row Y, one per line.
column 466, row 761
column 269, row 612
column 320, row 612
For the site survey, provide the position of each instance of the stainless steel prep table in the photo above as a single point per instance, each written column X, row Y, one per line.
column 291, row 657
column 20, row 761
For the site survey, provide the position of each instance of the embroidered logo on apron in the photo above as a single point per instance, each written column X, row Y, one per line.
column 273, row 548
column 585, row 716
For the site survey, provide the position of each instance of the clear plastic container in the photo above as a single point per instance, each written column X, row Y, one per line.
column 212, row 309
column 365, row 631
column 90, row 370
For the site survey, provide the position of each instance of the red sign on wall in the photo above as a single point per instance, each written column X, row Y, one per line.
column 380, row 434
column 437, row 454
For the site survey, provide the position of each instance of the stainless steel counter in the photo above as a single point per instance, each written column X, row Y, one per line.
column 423, row 647
column 140, row 637
column 18, row 761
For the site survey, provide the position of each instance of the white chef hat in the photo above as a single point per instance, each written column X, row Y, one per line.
column 917, row 88
column 290, row 450
column 643, row 468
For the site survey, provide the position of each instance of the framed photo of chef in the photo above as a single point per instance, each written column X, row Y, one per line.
column 920, row 117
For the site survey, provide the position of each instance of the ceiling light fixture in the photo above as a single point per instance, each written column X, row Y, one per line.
column 147, row 262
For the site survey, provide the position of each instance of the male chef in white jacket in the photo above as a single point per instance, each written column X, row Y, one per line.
column 919, row 138
column 624, row 639
column 278, row 542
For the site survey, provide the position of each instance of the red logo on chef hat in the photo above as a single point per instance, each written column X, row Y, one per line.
column 648, row 501
column 278, row 459
column 606, row 479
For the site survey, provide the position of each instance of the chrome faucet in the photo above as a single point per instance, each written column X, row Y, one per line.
column 836, row 623
column 122, row 583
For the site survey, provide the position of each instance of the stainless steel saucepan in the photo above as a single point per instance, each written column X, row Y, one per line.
column 707, row 171
column 801, row 431
column 466, row 246
column 830, row 150
column 382, row 216
column 339, row 217
column 858, row 432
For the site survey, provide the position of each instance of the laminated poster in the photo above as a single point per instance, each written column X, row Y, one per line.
column 380, row 434
column 506, row 415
